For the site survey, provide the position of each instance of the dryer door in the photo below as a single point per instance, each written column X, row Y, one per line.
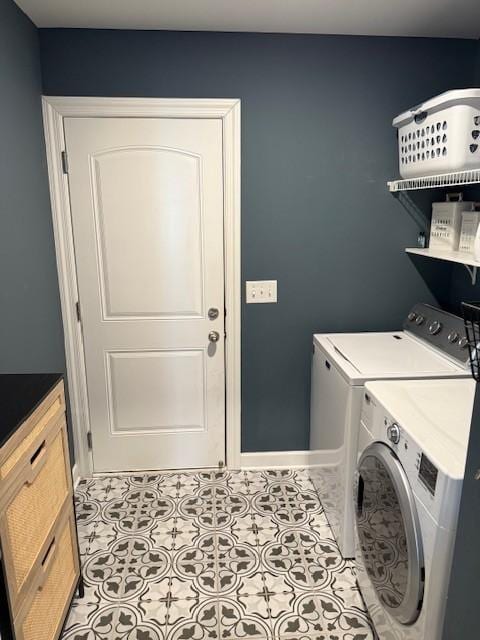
column 389, row 533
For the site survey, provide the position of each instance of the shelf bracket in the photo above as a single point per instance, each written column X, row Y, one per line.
column 472, row 272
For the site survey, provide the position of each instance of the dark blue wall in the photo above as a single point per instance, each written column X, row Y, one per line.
column 317, row 150
column 31, row 338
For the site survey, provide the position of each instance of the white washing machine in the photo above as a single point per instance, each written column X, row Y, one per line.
column 431, row 345
column 413, row 443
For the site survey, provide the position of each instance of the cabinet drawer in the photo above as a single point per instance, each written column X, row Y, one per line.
column 32, row 509
column 46, row 414
column 43, row 613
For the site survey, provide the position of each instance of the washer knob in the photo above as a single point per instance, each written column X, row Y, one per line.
column 453, row 337
column 393, row 433
column 463, row 343
column 412, row 316
column 435, row 328
column 419, row 320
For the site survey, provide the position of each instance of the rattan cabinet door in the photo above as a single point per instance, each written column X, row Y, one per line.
column 42, row 617
column 51, row 414
column 32, row 511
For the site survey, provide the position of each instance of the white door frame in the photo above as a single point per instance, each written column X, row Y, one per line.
column 228, row 111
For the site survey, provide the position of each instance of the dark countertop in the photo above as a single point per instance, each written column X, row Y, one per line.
column 20, row 395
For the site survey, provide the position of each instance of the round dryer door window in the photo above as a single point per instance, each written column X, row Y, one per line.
column 389, row 532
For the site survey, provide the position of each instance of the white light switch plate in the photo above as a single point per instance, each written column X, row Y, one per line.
column 260, row 291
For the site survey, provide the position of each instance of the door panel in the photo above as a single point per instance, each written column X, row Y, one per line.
column 161, row 188
column 147, row 216
column 389, row 533
column 156, row 391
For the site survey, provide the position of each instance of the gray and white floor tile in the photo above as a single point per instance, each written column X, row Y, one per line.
column 211, row 555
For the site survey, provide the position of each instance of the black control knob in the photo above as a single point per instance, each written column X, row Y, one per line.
column 435, row 328
column 412, row 316
column 419, row 320
column 453, row 337
column 463, row 343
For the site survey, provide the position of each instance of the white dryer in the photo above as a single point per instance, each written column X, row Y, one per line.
column 432, row 345
column 413, row 443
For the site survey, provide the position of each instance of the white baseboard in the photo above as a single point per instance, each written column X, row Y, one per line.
column 276, row 459
column 288, row 459
column 75, row 476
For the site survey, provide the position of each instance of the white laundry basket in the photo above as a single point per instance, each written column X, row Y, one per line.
column 441, row 135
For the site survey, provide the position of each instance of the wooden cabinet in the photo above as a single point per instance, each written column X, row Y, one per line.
column 40, row 561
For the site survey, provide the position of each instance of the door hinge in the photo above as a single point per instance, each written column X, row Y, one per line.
column 89, row 440
column 77, row 309
column 65, row 162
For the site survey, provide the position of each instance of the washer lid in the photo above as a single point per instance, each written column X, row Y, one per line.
column 435, row 413
column 391, row 355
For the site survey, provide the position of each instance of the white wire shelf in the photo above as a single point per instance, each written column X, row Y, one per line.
column 472, row 176
column 468, row 261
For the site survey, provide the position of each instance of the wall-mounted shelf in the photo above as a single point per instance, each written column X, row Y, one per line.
column 456, row 179
column 468, row 261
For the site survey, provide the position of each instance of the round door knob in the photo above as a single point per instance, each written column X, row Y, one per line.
column 393, row 433
column 214, row 336
column 213, row 313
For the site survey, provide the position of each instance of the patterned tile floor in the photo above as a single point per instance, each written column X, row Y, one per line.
column 211, row 555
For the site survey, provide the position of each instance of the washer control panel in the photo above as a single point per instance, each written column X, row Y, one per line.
column 423, row 475
column 438, row 493
column 440, row 329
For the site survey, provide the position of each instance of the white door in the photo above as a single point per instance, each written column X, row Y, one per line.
column 147, row 210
